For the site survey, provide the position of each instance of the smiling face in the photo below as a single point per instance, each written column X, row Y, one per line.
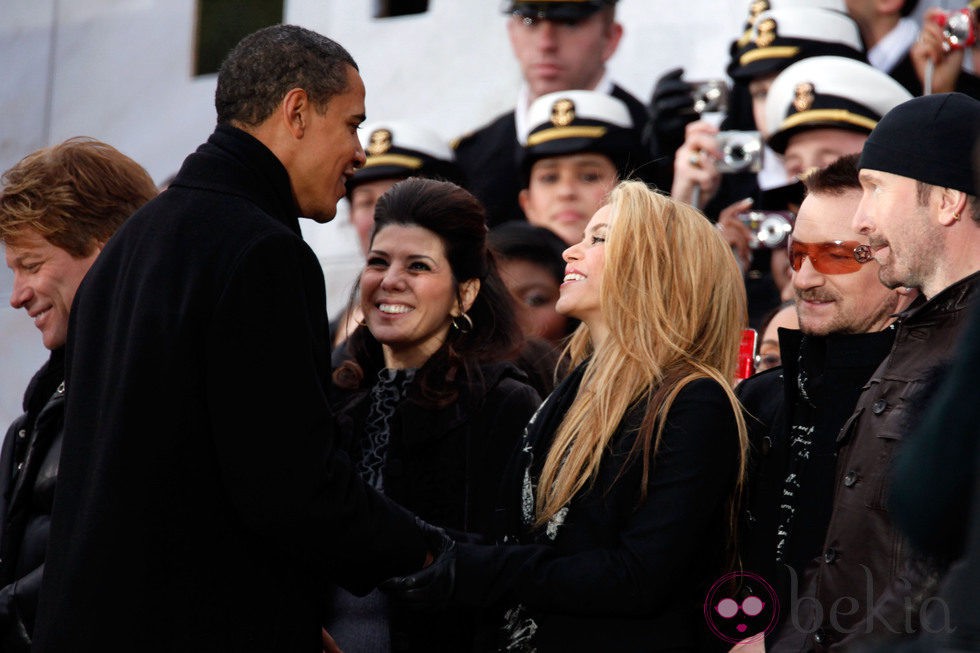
column 907, row 242
column 408, row 294
column 556, row 56
column 46, row 278
column 852, row 302
column 585, row 262
column 565, row 191
column 818, row 148
column 329, row 152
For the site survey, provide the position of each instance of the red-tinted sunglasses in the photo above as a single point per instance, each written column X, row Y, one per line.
column 832, row 257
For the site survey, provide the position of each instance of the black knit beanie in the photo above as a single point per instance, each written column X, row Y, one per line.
column 930, row 139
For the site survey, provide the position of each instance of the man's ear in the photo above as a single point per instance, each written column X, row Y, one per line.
column 613, row 36
column 295, row 112
column 468, row 290
column 952, row 204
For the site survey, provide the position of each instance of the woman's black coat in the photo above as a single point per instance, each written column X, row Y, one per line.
column 621, row 575
column 445, row 465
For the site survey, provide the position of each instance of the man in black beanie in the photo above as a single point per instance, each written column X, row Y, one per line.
column 919, row 213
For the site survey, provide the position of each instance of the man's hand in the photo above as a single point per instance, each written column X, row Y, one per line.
column 694, row 164
column 433, row 586
column 737, row 235
column 671, row 110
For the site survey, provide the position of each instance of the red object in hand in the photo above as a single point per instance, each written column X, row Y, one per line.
column 959, row 28
column 746, row 354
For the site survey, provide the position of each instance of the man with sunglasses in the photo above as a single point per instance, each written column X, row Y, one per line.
column 918, row 214
column 796, row 411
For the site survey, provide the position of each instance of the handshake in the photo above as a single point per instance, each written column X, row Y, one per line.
column 432, row 587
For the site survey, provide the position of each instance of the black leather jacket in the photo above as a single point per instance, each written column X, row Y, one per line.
column 28, row 471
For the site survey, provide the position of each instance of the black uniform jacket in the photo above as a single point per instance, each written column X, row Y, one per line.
column 28, row 473
column 490, row 155
column 202, row 503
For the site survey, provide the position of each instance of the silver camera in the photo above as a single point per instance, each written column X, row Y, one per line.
column 709, row 96
column 741, row 151
column 769, row 228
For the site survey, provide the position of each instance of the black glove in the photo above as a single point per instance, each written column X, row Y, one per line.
column 671, row 109
column 432, row 587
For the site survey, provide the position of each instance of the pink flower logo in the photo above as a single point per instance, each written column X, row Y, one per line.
column 741, row 604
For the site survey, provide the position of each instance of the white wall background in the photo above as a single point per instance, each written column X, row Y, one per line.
column 121, row 71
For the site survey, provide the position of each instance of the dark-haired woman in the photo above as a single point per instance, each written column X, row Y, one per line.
column 430, row 404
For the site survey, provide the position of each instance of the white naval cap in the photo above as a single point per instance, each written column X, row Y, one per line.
column 757, row 7
column 399, row 149
column 572, row 122
column 555, row 112
column 822, row 92
column 781, row 37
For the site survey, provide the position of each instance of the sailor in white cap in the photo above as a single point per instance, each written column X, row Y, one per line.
column 559, row 45
column 779, row 38
column 580, row 144
column 822, row 108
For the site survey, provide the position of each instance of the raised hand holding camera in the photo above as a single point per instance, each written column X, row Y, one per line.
column 939, row 51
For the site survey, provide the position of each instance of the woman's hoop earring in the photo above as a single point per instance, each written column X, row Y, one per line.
column 464, row 325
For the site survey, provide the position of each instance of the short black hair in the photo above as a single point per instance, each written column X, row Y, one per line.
column 267, row 64
column 836, row 179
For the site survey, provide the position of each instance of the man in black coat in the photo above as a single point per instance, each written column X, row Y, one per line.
column 58, row 208
column 202, row 505
column 559, row 46
column 795, row 412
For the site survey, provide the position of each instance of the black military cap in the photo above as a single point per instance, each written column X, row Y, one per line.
column 558, row 10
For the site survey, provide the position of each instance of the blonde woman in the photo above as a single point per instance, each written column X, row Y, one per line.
column 617, row 513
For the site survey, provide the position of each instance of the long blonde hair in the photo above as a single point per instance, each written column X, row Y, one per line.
column 673, row 301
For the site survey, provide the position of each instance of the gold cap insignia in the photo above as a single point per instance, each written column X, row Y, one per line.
column 765, row 33
column 803, row 96
column 380, row 142
column 756, row 7
column 562, row 112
